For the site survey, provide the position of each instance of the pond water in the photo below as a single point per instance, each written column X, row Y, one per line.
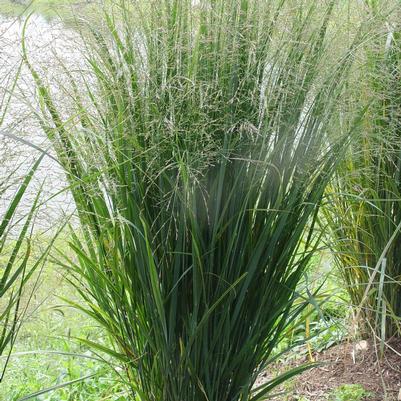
column 49, row 46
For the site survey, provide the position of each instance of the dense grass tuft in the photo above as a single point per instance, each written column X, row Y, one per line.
column 197, row 157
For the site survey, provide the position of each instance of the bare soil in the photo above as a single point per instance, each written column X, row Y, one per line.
column 349, row 363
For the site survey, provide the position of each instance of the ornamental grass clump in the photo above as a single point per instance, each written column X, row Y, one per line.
column 364, row 211
column 197, row 157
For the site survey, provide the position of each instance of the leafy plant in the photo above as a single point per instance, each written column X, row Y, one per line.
column 349, row 392
column 197, row 158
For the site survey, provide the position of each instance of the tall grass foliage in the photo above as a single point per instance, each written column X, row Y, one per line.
column 365, row 197
column 197, row 156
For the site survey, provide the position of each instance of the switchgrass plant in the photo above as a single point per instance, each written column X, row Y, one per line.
column 197, row 157
column 365, row 198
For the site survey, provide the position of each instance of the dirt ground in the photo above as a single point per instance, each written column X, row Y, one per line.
column 357, row 363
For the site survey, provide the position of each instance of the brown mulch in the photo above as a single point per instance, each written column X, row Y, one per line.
column 348, row 364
